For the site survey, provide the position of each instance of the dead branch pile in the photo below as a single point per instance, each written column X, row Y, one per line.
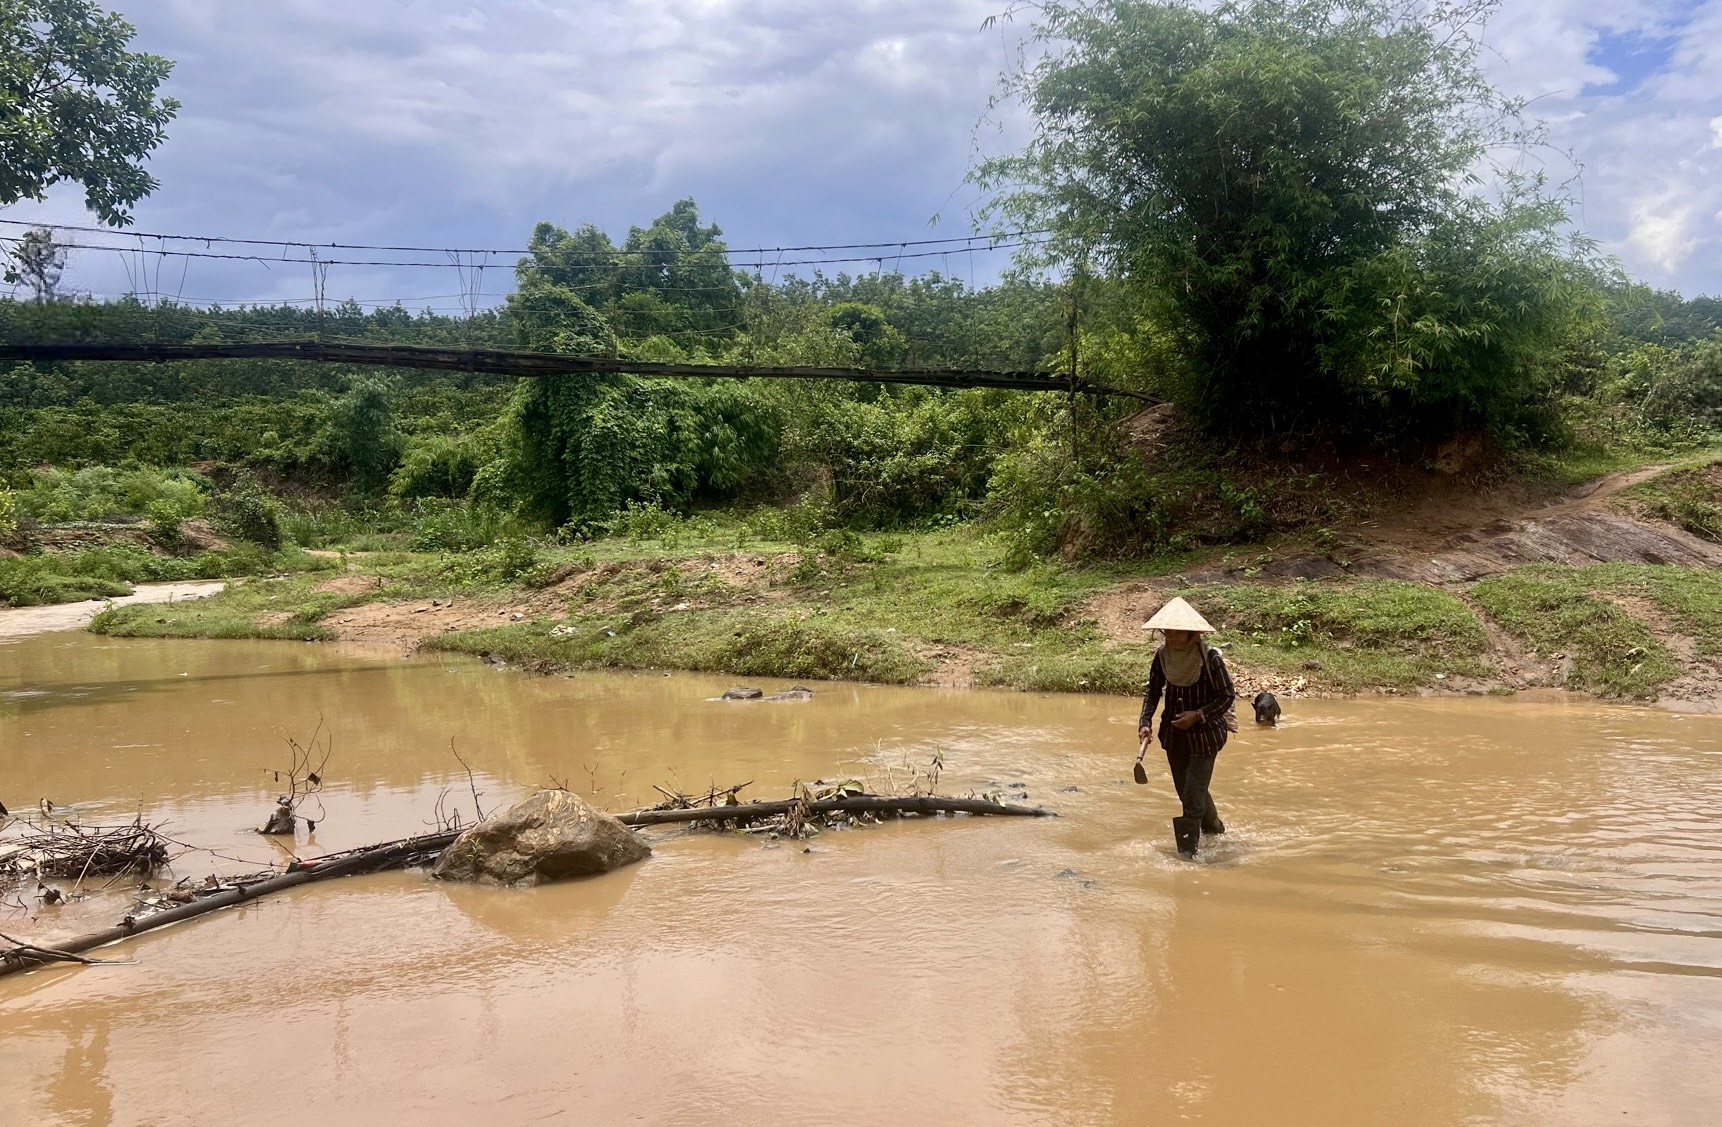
column 676, row 800
column 822, row 806
column 404, row 854
column 72, row 852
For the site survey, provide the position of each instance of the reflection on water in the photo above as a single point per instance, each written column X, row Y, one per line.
column 1427, row 911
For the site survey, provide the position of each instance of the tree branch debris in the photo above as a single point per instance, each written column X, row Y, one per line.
column 811, row 808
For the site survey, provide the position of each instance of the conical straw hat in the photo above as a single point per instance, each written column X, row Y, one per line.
column 1178, row 615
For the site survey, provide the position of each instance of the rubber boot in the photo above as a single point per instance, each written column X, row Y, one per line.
column 1211, row 823
column 1188, row 833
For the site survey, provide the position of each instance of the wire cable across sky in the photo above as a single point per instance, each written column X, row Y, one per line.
column 953, row 244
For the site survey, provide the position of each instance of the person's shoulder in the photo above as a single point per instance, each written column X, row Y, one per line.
column 1216, row 655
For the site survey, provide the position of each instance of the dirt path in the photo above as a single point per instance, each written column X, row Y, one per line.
column 1451, row 508
column 22, row 622
column 407, row 624
column 1458, row 532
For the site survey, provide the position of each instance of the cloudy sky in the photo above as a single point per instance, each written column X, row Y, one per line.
column 453, row 123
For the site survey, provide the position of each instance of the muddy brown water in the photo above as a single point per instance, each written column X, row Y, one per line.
column 1427, row 911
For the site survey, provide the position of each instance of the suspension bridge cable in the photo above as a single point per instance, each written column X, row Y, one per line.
column 614, row 251
column 583, row 266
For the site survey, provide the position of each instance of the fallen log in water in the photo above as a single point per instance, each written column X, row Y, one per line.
column 375, row 858
column 400, row 854
column 853, row 804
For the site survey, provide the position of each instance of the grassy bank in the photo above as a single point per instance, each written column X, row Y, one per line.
column 1619, row 625
column 1688, row 496
column 932, row 607
column 737, row 594
column 111, row 570
column 1349, row 637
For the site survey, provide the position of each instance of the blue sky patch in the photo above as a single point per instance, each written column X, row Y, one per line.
column 1632, row 56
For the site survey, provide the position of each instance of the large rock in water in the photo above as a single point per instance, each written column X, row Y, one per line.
column 553, row 835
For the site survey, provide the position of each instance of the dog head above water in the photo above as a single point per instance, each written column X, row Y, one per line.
column 1267, row 708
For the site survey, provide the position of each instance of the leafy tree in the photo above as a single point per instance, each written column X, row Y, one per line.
column 363, row 435
column 578, row 449
column 1649, row 316
column 685, row 268
column 671, row 279
column 583, row 262
column 1287, row 189
column 550, row 316
column 76, row 105
column 880, row 343
column 38, row 261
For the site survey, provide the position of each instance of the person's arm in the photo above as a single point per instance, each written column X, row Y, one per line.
column 1215, row 710
column 1151, row 698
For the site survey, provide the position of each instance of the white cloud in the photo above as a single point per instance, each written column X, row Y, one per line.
column 1652, row 176
column 457, row 122
column 1662, row 230
column 441, row 121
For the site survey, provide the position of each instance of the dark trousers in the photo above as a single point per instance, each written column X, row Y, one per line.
column 1191, row 775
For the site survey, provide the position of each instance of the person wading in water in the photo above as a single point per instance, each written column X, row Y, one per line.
column 1197, row 688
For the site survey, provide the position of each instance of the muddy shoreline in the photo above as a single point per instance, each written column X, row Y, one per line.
column 24, row 622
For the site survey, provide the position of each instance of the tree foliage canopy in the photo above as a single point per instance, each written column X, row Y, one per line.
column 76, row 105
column 672, row 278
column 1288, row 187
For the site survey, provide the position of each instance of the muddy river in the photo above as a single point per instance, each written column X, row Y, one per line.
column 1426, row 911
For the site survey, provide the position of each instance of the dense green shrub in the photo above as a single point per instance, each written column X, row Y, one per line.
column 1671, row 393
column 1687, row 496
column 511, row 559
column 440, row 465
column 447, row 526
column 579, row 451
column 245, row 510
column 100, row 493
column 898, row 459
column 362, row 438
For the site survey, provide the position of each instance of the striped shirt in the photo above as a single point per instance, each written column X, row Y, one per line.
column 1211, row 694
